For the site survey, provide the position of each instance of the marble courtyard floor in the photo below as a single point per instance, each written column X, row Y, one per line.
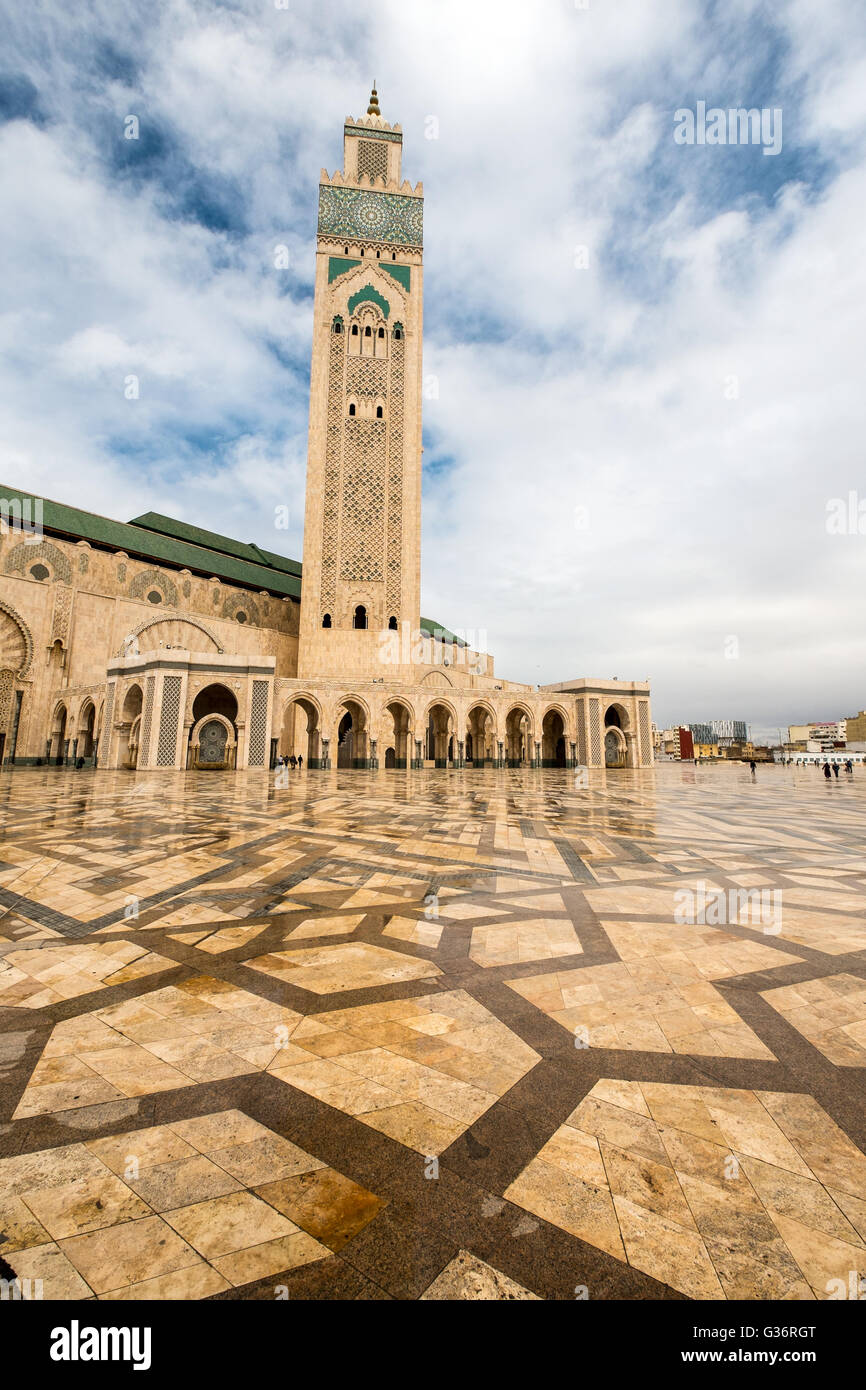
column 433, row 1034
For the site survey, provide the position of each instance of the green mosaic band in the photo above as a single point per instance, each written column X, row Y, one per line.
column 367, row 134
column 365, row 215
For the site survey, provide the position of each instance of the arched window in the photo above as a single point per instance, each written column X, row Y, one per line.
column 154, row 597
column 368, row 332
column 345, row 250
column 393, row 255
column 360, row 618
column 381, row 333
column 352, row 408
column 338, row 327
column 40, row 572
column 398, row 332
column 380, row 414
column 392, row 623
column 354, row 330
column 326, row 621
column 378, row 255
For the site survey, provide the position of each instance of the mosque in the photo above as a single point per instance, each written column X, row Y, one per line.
column 158, row 644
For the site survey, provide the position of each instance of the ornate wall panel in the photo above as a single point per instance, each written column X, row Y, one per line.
column 168, row 721
column 258, row 724
column 373, row 159
column 394, row 571
column 644, row 726
column 7, row 685
column 241, row 603
column 595, row 732
column 366, row 376
column 154, row 579
column 582, row 747
column 146, row 720
column 107, row 717
column 23, row 555
column 363, row 502
column 16, row 640
column 62, row 614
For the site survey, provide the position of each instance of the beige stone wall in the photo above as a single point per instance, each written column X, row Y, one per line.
column 81, row 617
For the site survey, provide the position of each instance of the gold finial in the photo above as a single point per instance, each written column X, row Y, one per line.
column 373, row 108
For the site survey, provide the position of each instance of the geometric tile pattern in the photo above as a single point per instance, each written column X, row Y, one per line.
column 33, row 978
column 721, row 1193
column 628, row 1006
column 830, row 1012
column 467, row 1004
column 175, row 1211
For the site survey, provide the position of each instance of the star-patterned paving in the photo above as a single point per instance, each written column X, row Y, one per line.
column 470, row 1034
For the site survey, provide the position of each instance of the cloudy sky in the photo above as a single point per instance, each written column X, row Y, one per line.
column 643, row 359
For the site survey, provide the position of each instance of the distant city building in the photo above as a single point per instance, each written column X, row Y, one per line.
column 855, row 728
column 819, row 736
column 721, row 731
column 670, row 742
column 707, row 750
column 735, row 729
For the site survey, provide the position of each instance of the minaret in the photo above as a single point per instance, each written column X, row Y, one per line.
column 362, row 524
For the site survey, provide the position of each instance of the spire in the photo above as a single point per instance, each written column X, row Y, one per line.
column 373, row 108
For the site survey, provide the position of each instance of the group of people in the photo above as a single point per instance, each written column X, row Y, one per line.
column 829, row 769
column 292, row 762
column 848, row 766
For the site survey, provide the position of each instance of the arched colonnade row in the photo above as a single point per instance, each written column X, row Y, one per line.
column 347, row 731
column 353, row 731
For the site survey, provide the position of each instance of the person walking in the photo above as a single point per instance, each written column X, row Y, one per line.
column 836, row 771
column 827, row 771
column 753, row 767
column 300, row 761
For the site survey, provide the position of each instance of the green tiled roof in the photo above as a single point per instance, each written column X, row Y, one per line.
column 261, row 571
column 441, row 633
column 196, row 535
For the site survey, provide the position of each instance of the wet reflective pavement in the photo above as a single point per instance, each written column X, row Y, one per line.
column 476, row 1034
